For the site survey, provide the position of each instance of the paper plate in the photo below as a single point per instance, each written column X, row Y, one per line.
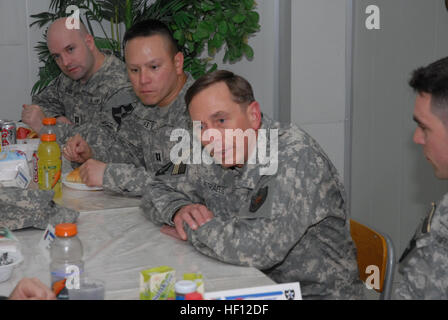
column 78, row 186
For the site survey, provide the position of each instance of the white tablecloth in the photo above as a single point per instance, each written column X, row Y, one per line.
column 87, row 201
column 118, row 243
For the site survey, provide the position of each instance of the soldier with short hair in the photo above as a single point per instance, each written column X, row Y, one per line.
column 424, row 263
column 290, row 222
column 126, row 160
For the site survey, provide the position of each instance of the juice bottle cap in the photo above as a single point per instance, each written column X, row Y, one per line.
column 66, row 230
column 49, row 121
column 185, row 286
column 48, row 137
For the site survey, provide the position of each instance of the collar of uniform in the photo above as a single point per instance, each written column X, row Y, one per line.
column 175, row 113
column 108, row 58
column 91, row 86
column 249, row 174
column 178, row 107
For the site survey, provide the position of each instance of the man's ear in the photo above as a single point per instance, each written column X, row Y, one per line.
column 179, row 62
column 254, row 114
column 90, row 41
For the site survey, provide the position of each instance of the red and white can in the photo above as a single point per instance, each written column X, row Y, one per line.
column 35, row 167
column 8, row 133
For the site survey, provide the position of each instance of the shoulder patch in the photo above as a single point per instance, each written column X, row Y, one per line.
column 121, row 112
column 258, row 199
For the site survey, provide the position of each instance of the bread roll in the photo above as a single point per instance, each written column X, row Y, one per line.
column 32, row 135
column 74, row 176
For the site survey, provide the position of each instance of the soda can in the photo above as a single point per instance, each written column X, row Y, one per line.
column 35, row 167
column 1, row 127
column 8, row 133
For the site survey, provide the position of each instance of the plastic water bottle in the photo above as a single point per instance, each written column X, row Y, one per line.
column 67, row 265
column 184, row 287
column 49, row 126
column 49, row 165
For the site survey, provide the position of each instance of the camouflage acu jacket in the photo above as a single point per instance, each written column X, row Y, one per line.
column 101, row 98
column 141, row 145
column 293, row 224
column 424, row 264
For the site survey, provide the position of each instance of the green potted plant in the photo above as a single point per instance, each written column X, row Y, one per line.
column 195, row 24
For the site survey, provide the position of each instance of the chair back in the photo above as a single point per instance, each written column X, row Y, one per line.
column 374, row 248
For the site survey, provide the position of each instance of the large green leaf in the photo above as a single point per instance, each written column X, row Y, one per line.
column 239, row 18
column 248, row 51
column 42, row 18
column 103, row 43
column 223, row 28
column 207, row 5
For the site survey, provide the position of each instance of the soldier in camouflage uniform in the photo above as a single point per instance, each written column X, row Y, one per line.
column 424, row 264
column 93, row 85
column 292, row 224
column 124, row 162
column 148, row 129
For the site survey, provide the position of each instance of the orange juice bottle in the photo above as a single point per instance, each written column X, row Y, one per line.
column 49, row 165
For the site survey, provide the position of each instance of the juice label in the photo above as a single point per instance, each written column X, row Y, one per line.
column 157, row 284
column 49, row 176
column 198, row 279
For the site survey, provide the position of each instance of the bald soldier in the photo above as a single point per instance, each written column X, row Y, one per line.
column 290, row 221
column 92, row 88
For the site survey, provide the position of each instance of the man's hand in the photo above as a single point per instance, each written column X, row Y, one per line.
column 77, row 149
column 31, row 289
column 63, row 119
column 195, row 215
column 32, row 115
column 171, row 231
column 92, row 173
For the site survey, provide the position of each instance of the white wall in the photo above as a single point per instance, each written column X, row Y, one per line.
column 14, row 66
column 392, row 183
column 317, row 78
column 34, row 36
column 18, row 62
column 318, row 73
